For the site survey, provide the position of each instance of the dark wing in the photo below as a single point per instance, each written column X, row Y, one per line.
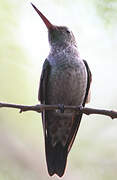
column 42, row 95
column 44, row 81
column 55, row 156
column 89, row 80
column 77, row 118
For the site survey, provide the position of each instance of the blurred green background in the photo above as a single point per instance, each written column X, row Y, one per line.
column 23, row 48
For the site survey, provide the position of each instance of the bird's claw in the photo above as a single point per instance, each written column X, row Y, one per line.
column 61, row 107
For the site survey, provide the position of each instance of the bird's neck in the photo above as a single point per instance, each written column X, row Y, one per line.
column 62, row 48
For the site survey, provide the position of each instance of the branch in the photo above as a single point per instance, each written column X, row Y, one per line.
column 40, row 107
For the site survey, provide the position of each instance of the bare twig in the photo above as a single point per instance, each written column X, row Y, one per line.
column 40, row 107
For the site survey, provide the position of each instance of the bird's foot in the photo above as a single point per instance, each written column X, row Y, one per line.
column 61, row 108
column 80, row 107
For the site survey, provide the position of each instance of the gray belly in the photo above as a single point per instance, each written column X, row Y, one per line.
column 67, row 85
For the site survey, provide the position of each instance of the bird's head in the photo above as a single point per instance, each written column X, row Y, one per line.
column 58, row 35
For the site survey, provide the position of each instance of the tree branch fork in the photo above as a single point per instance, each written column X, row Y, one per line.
column 40, row 107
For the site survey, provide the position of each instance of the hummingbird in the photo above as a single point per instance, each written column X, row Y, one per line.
column 65, row 80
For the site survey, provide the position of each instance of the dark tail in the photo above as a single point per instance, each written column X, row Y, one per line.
column 56, row 158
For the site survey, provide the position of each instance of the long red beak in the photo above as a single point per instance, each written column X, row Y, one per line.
column 45, row 20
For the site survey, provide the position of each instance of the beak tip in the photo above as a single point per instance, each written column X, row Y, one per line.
column 45, row 20
column 32, row 4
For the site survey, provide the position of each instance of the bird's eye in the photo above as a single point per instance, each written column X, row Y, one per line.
column 68, row 31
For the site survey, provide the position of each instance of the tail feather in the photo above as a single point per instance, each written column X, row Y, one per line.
column 56, row 158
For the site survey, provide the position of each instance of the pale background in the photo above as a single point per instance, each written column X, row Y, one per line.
column 23, row 48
